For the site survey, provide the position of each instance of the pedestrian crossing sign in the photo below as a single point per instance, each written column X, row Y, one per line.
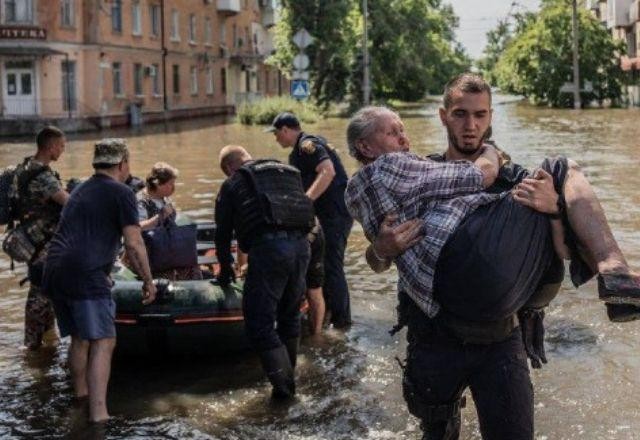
column 300, row 88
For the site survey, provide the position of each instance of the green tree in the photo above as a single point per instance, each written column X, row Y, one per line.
column 331, row 23
column 413, row 48
column 538, row 59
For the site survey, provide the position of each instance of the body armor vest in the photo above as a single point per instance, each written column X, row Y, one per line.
column 274, row 199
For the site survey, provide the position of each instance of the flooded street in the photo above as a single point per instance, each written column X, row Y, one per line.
column 349, row 383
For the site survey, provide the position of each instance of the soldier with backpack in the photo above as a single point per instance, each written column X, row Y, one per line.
column 32, row 204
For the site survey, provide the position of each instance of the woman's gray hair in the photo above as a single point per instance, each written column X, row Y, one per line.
column 160, row 174
column 362, row 125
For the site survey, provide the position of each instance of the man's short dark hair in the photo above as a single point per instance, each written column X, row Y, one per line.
column 466, row 83
column 46, row 135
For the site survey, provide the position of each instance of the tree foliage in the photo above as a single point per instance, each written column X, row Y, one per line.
column 537, row 58
column 412, row 47
column 330, row 23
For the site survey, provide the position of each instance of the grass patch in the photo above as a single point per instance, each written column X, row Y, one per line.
column 264, row 110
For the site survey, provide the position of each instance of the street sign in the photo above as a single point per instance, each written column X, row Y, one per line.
column 301, row 61
column 302, row 38
column 300, row 88
column 301, row 74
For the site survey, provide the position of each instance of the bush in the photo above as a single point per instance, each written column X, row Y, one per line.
column 264, row 110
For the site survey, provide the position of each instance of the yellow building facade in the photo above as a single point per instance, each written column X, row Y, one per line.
column 100, row 63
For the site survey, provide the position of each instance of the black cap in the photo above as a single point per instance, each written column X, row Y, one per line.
column 283, row 119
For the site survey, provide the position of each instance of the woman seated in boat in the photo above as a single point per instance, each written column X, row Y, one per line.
column 155, row 210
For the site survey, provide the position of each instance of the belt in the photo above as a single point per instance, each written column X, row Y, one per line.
column 267, row 236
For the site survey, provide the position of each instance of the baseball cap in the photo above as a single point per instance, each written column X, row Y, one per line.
column 110, row 151
column 283, row 119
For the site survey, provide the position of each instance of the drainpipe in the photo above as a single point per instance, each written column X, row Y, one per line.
column 66, row 55
column 165, row 102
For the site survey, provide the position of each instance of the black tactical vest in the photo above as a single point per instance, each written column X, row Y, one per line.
column 274, row 199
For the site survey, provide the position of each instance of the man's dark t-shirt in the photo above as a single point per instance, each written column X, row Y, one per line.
column 331, row 202
column 88, row 238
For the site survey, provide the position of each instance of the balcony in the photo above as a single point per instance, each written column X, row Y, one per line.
column 228, row 7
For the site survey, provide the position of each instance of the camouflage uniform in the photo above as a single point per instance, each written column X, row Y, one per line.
column 40, row 214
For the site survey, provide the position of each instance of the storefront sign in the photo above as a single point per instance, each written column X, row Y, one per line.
column 23, row 33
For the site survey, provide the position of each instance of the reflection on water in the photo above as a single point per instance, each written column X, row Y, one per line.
column 349, row 384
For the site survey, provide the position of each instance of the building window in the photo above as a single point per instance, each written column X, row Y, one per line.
column 207, row 31
column 209, row 81
column 176, row 79
column 117, row 79
column 136, row 18
column 175, row 25
column 154, row 14
column 223, row 33
column 18, row 11
column 69, row 85
column 116, row 15
column 155, row 78
column 234, row 34
column 67, row 17
column 194, row 81
column 223, row 80
column 192, row 28
column 137, row 79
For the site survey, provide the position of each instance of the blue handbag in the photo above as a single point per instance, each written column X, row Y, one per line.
column 171, row 246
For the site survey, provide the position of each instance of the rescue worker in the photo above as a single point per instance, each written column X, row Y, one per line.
column 38, row 197
column 447, row 354
column 264, row 203
column 324, row 180
column 100, row 213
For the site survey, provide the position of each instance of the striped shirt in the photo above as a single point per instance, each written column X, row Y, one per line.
column 442, row 194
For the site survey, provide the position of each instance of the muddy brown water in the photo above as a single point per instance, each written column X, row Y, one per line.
column 348, row 383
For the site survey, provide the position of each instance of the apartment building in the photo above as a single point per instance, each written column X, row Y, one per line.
column 622, row 18
column 100, row 63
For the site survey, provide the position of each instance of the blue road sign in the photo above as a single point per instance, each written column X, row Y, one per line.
column 300, row 88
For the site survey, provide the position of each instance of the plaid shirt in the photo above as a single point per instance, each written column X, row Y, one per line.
column 442, row 194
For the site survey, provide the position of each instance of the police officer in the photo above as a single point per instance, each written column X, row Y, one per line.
column 324, row 180
column 264, row 203
column 38, row 197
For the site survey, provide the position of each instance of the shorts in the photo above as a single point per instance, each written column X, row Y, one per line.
column 87, row 319
column 315, row 270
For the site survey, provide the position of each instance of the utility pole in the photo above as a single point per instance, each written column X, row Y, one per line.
column 576, row 67
column 366, row 87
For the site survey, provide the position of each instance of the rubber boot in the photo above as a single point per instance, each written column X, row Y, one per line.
column 292, row 350
column 278, row 368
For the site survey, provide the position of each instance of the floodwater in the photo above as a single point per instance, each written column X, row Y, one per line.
column 348, row 383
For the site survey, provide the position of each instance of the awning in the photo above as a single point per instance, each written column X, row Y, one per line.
column 28, row 51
